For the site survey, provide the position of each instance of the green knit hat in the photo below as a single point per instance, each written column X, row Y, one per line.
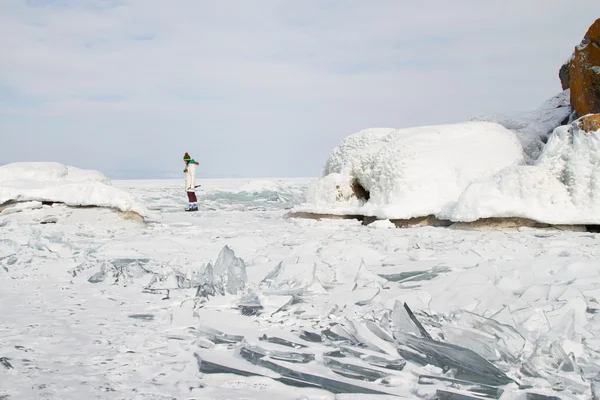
column 186, row 157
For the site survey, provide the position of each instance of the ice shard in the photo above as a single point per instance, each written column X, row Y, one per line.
column 229, row 273
column 353, row 368
column 289, row 279
column 508, row 341
column 539, row 396
column 470, row 366
column 456, row 395
column 218, row 337
column 370, row 340
column 364, row 277
column 480, row 342
column 477, row 389
column 311, row 337
column 402, row 321
column 412, row 276
column 314, row 375
column 282, row 342
column 336, row 334
column 121, row 271
column 205, row 287
column 217, row 362
column 374, row 358
column 379, row 331
column 256, row 351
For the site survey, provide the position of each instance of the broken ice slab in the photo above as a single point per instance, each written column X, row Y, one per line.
column 278, row 352
column 229, row 272
column 281, row 341
column 402, row 320
column 316, row 375
column 122, row 262
column 482, row 343
column 456, row 395
column 311, row 337
column 477, row 388
column 370, row 340
column 355, row 369
column 550, row 363
column 334, row 354
column 121, row 271
column 374, row 358
column 364, row 277
column 509, row 342
column 218, row 337
column 221, row 362
column 413, row 276
column 470, row 366
column 255, row 353
column 289, row 279
column 173, row 277
column 337, row 335
column 380, row 331
column 418, row 324
column 539, row 396
column 340, row 333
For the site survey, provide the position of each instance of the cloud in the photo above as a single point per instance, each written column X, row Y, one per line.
column 262, row 88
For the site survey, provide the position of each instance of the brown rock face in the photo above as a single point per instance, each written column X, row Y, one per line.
column 584, row 73
column 590, row 123
column 565, row 77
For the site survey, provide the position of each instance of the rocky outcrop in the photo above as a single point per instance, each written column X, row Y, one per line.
column 564, row 75
column 590, row 123
column 582, row 76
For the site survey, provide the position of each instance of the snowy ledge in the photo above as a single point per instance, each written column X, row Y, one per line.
column 461, row 173
column 485, row 224
column 51, row 183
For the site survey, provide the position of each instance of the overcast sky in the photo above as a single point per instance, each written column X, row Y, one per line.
column 262, row 88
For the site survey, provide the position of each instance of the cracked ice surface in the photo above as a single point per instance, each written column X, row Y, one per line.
column 94, row 306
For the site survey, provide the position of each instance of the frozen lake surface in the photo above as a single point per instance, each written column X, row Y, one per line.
column 95, row 306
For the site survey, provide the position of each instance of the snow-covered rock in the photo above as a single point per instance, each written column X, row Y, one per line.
column 57, row 183
column 534, row 128
column 411, row 172
column 563, row 187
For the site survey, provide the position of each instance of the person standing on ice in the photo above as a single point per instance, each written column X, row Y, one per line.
column 190, row 182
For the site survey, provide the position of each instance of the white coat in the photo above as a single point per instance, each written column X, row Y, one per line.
column 190, row 177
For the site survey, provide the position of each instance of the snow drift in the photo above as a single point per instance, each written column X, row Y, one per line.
column 57, row 183
column 562, row 187
column 406, row 173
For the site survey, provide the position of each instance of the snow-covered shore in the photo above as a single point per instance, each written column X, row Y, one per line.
column 57, row 183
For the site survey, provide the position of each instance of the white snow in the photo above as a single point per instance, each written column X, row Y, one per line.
column 411, row 172
column 526, row 299
column 562, row 187
column 57, row 183
column 534, row 128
